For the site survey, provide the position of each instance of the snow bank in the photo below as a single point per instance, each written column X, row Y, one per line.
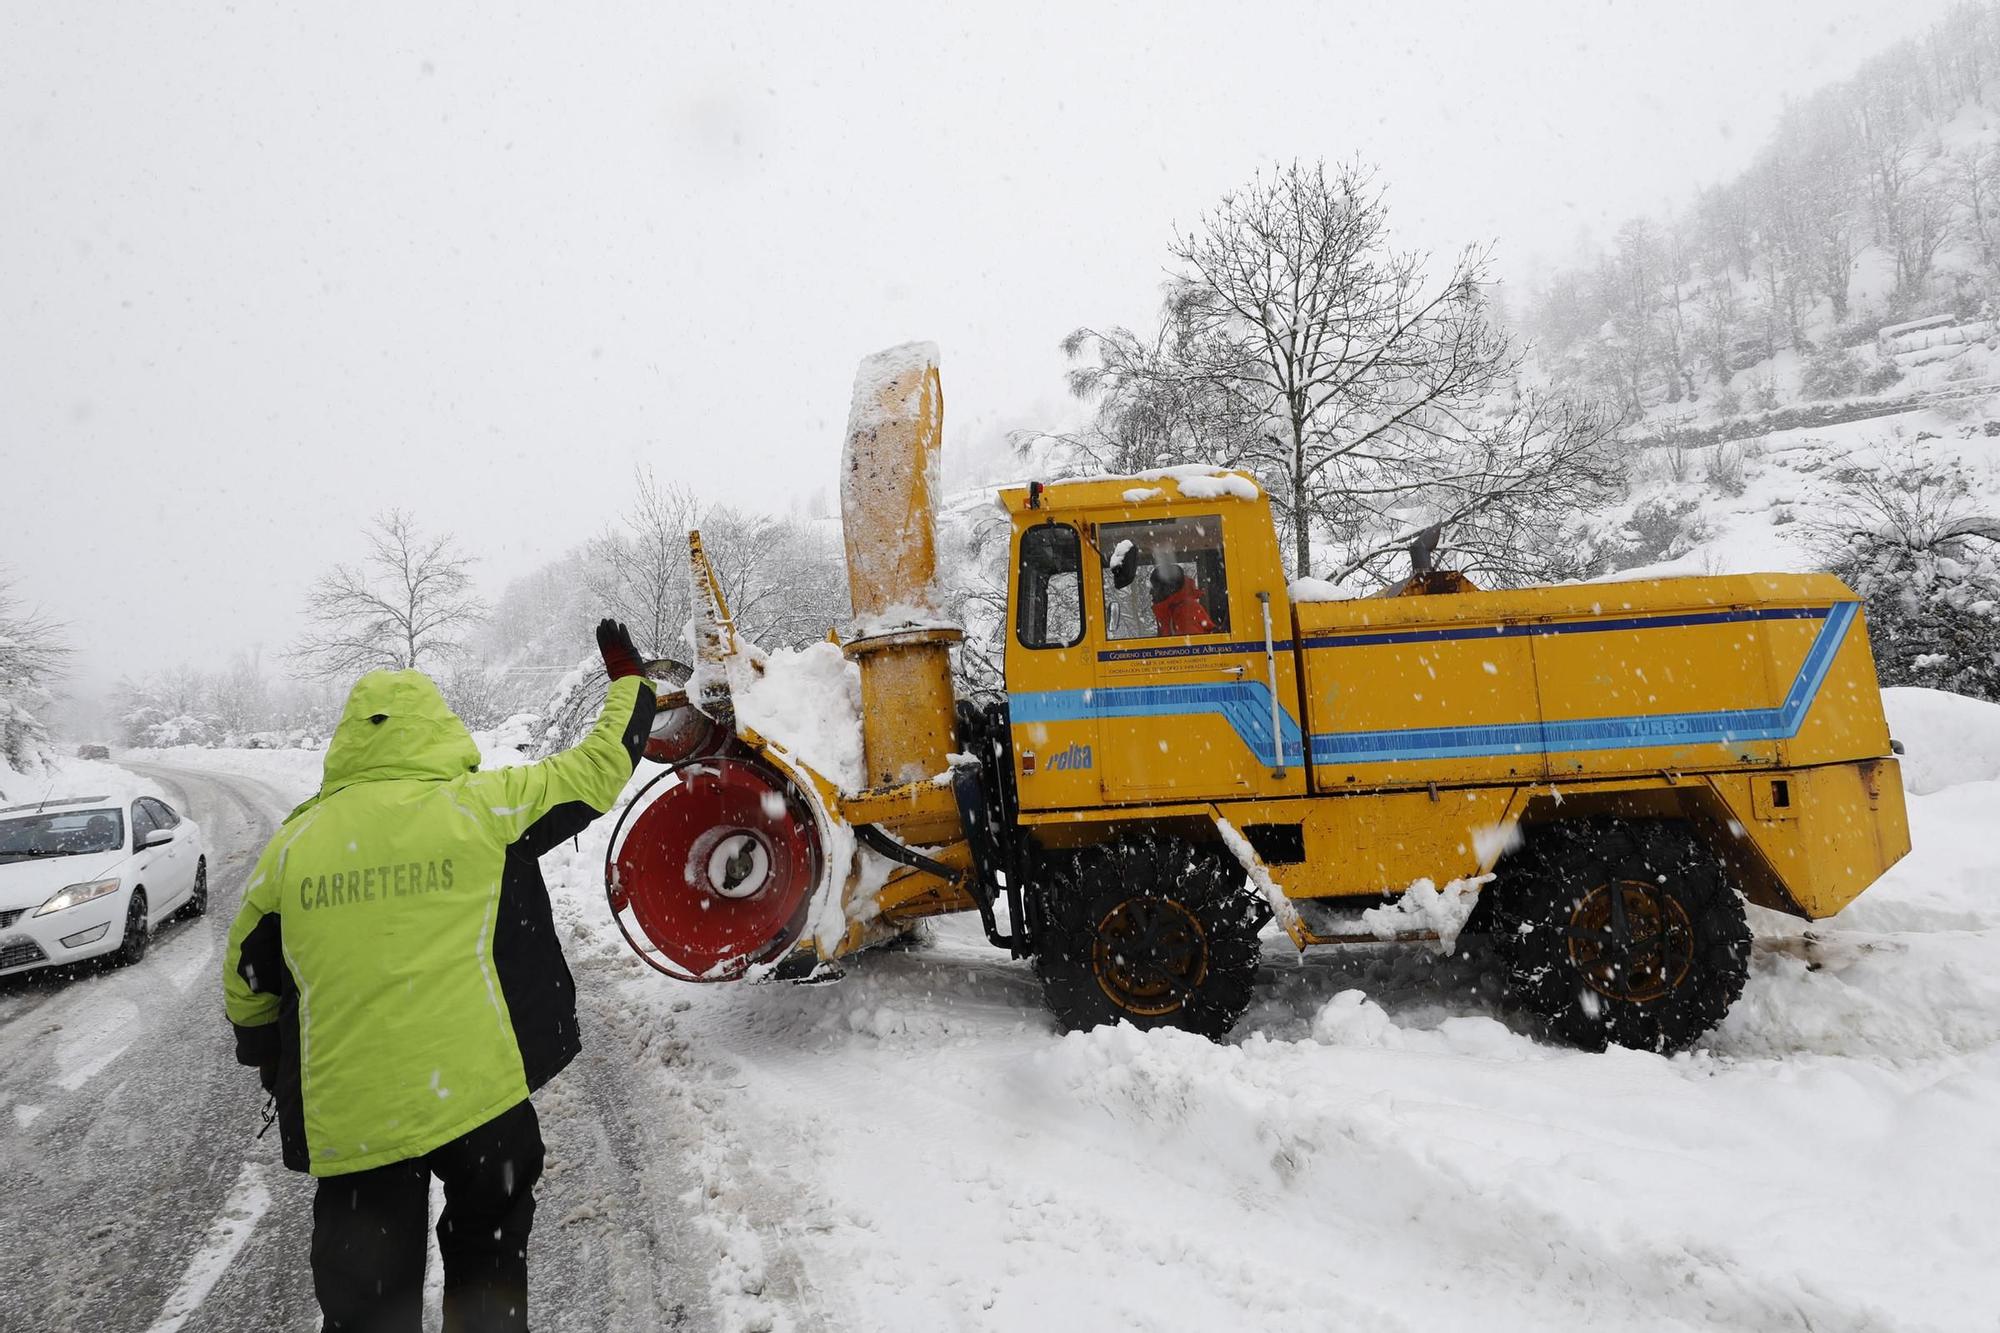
column 64, row 777
column 1948, row 738
column 296, row 774
column 808, row 700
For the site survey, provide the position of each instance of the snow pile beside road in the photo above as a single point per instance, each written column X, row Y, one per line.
column 293, row 773
column 1948, row 738
column 297, row 773
column 64, row 777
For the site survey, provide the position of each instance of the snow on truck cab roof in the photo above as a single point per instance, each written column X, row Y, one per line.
column 1138, row 490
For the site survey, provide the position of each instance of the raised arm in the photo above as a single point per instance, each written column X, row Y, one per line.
column 590, row 773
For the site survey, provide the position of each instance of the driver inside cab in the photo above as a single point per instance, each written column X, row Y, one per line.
column 1177, row 600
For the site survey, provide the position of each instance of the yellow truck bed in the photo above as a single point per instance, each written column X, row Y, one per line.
column 1546, row 684
column 1748, row 702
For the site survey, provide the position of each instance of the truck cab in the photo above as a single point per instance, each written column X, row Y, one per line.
column 1150, row 657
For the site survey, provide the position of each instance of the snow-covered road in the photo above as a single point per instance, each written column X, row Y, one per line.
column 1385, row 1143
column 137, row 1196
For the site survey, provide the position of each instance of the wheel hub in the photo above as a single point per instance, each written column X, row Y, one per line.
column 1631, row 941
column 1149, row 954
column 738, row 864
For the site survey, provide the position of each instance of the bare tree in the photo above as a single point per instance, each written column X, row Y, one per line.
column 783, row 577
column 1823, row 222
column 1376, row 400
column 1927, row 226
column 409, row 603
column 639, row 570
column 1723, row 215
column 1973, row 175
column 1149, row 413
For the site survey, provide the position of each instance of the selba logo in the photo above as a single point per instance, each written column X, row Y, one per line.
column 1075, row 757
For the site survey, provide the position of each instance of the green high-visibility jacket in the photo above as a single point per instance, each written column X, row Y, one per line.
column 394, row 968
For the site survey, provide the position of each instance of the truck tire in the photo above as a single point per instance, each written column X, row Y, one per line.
column 1622, row 932
column 1156, row 932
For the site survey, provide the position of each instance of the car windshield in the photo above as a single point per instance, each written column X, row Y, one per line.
column 60, row 833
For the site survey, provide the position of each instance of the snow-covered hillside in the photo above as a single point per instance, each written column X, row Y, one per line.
column 1753, row 504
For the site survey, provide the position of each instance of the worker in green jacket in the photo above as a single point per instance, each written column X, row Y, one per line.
column 395, row 976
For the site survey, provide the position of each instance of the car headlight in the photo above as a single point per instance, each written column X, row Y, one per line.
column 78, row 893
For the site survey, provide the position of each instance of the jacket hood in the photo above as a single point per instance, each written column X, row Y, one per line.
column 396, row 725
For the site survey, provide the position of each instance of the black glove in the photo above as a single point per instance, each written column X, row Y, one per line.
column 621, row 659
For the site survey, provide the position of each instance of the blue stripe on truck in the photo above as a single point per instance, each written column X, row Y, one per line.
column 1246, row 705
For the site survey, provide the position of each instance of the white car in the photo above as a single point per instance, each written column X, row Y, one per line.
column 93, row 875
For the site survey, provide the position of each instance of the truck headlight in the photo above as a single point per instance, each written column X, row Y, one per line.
column 77, row 893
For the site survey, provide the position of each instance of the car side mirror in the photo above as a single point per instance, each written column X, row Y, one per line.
column 156, row 837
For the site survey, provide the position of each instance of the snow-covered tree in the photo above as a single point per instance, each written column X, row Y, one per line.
column 172, row 706
column 1928, row 567
column 32, row 655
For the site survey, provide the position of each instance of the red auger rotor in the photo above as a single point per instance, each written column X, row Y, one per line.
column 712, row 868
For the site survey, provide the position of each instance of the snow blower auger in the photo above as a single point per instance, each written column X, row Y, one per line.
column 1600, row 777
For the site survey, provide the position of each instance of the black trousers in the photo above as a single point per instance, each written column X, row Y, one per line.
column 368, row 1234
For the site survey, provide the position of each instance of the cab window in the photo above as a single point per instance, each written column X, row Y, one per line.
column 1164, row 578
column 1049, row 611
column 142, row 823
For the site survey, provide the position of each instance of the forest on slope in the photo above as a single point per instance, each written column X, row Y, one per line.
column 1874, row 204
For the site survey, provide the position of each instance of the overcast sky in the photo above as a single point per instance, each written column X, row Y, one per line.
column 267, row 269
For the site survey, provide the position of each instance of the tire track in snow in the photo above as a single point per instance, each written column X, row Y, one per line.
column 617, row 1250
column 244, row 1205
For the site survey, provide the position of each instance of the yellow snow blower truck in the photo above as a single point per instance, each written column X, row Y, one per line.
column 1599, row 776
